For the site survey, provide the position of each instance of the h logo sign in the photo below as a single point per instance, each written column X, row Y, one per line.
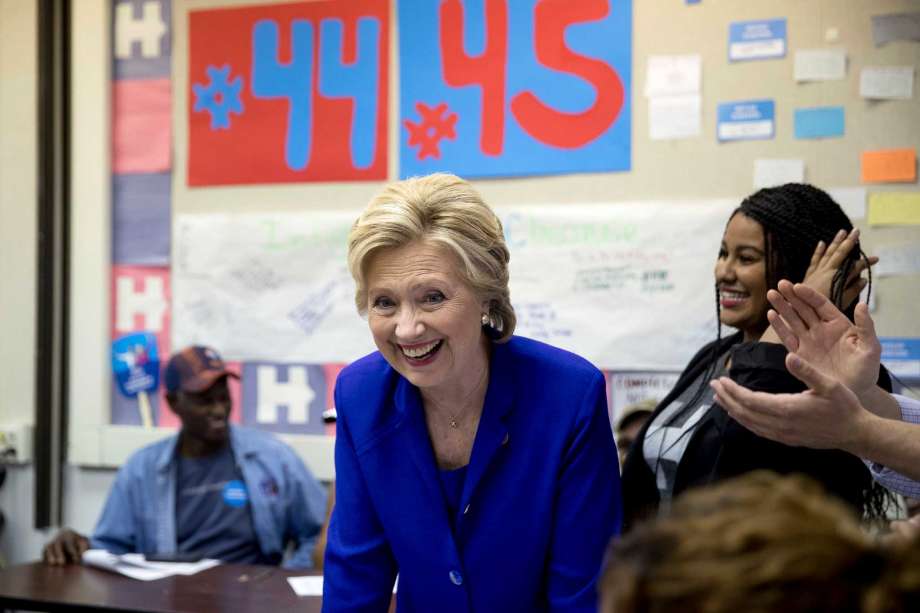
column 296, row 394
column 298, row 388
column 150, row 303
column 148, row 30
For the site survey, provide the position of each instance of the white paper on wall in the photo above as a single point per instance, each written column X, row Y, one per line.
column 672, row 75
column 887, row 82
column 820, row 64
column 897, row 260
column 674, row 117
column 773, row 172
column 625, row 285
column 851, row 199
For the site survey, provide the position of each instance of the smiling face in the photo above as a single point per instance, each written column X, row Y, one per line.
column 425, row 320
column 205, row 415
column 741, row 277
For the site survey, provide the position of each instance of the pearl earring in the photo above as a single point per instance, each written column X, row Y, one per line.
column 485, row 319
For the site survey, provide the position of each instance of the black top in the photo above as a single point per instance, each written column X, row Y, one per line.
column 720, row 447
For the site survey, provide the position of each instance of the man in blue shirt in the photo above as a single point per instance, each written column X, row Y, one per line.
column 213, row 489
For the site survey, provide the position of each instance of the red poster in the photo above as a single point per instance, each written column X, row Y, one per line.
column 288, row 93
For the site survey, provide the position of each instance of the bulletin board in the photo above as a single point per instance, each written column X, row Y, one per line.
column 672, row 177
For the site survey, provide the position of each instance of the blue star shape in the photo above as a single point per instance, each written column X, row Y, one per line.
column 220, row 97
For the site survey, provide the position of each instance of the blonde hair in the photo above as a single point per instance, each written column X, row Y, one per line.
column 442, row 210
column 759, row 543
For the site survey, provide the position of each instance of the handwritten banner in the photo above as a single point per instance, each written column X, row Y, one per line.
column 499, row 88
column 288, row 93
column 628, row 286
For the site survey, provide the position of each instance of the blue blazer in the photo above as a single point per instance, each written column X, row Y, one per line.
column 540, row 502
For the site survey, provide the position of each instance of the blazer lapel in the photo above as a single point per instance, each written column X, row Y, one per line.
column 415, row 434
column 492, row 433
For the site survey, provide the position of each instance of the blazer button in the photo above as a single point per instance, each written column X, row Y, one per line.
column 506, row 439
column 466, row 509
column 455, row 577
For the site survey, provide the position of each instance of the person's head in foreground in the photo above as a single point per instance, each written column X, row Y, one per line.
column 432, row 246
column 759, row 543
column 198, row 393
column 772, row 235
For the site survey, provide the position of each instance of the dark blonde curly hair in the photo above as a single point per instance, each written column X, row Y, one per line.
column 755, row 544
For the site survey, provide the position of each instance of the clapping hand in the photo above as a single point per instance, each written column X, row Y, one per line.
column 811, row 327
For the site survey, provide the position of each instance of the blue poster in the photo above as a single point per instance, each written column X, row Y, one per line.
column 492, row 88
column 135, row 363
column 756, row 40
column 901, row 356
column 819, row 122
column 745, row 120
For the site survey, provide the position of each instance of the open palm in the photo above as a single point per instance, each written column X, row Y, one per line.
column 812, row 327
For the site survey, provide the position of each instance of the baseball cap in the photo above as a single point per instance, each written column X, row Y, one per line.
column 194, row 369
column 635, row 409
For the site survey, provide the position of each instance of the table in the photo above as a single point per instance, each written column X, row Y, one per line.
column 228, row 587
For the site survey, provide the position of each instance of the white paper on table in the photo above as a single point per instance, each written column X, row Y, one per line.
column 312, row 585
column 851, row 199
column 896, row 260
column 673, row 117
column 135, row 566
column 773, row 172
column 672, row 75
column 820, row 64
column 887, row 82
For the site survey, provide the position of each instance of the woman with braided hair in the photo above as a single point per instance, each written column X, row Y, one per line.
column 794, row 232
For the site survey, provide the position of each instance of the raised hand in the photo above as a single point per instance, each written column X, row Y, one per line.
column 809, row 325
column 66, row 548
column 828, row 259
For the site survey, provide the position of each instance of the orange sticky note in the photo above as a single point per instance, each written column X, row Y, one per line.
column 889, row 166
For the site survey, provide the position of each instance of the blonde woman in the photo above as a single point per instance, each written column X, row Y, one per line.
column 477, row 465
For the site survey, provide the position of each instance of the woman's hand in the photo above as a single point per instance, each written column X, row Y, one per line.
column 828, row 259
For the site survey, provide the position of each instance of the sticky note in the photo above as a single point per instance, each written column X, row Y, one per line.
column 894, row 208
column 819, row 122
column 142, row 126
column 889, row 166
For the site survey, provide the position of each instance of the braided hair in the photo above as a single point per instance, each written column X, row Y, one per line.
column 794, row 218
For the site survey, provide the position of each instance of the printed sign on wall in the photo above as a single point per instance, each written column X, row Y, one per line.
column 499, row 88
column 285, row 397
column 288, row 93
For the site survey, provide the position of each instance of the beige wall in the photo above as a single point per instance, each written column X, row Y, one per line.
column 18, row 150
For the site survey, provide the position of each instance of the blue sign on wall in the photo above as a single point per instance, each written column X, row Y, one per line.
column 498, row 88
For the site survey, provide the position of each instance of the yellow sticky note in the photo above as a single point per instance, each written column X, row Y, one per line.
column 894, row 209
